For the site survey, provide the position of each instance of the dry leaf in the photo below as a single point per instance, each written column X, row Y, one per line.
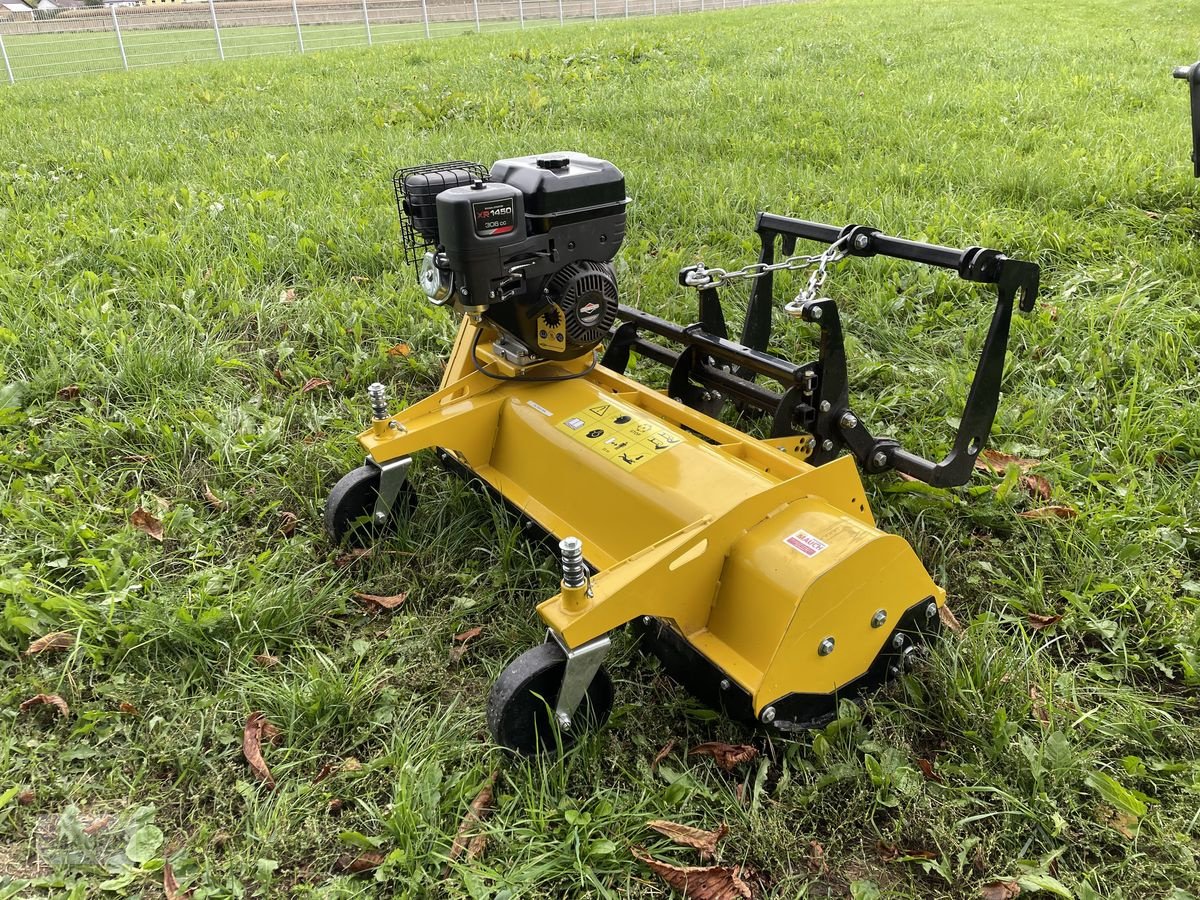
column 381, row 602
column 700, row 882
column 904, row 476
column 97, row 825
column 351, row 556
column 479, row 809
column 128, row 709
column 287, row 523
column 212, row 499
column 1120, row 822
column 138, row 458
column 58, row 640
column 279, row 376
column 70, row 392
column 26, row 797
column 350, row 764
column 364, row 862
column 400, row 349
column 266, row 660
column 997, row 462
column 949, row 620
column 1037, row 622
column 147, row 524
column 1039, row 705
column 1036, row 485
column 335, row 806
column 324, row 772
column 462, row 639
column 313, row 383
column 257, row 728
column 477, row 846
column 360, row 279
column 816, row 858
column 696, row 838
column 47, row 699
column 1054, row 511
column 663, row 754
column 171, row 886
column 926, row 768
column 891, row 853
column 1000, row 890
column 287, row 296
column 728, row 756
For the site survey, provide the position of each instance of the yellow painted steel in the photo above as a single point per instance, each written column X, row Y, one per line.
column 754, row 555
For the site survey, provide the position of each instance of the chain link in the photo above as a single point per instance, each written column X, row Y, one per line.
column 701, row 277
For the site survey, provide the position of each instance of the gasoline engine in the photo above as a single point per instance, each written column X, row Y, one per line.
column 751, row 565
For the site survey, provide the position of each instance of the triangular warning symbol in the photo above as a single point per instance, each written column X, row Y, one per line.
column 599, row 410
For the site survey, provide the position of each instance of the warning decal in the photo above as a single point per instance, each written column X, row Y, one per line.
column 620, row 435
column 805, row 543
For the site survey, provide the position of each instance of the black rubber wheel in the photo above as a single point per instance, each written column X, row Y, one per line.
column 520, row 707
column 350, row 507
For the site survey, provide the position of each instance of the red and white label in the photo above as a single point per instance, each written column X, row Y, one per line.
column 805, row 543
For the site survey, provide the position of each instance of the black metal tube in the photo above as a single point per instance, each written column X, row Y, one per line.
column 710, row 376
column 881, row 244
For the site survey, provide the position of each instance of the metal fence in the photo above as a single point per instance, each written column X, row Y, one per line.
column 127, row 34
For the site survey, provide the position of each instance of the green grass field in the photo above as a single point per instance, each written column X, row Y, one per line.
column 182, row 250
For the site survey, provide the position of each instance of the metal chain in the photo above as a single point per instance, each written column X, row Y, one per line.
column 701, row 277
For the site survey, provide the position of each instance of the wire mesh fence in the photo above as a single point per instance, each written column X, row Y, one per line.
column 129, row 34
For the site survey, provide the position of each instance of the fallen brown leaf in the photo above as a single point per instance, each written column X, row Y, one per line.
column 696, row 838
column 279, row 376
column 816, row 858
column 1000, row 890
column 364, row 862
column 70, row 392
column 350, row 764
column 1037, row 621
column 351, row 556
column 360, row 279
column 663, row 754
column 1036, row 485
column 147, row 524
column 335, row 806
column 1039, row 705
column 95, row 826
column 381, row 602
column 171, row 886
column 128, row 709
column 1054, row 511
column 949, row 620
column 927, row 770
column 49, row 700
column 727, row 756
column 266, row 660
column 214, row 502
column 700, row 882
column 891, row 853
column 324, row 772
column 462, row 639
column 477, row 846
column 58, row 640
column 287, row 523
column 997, row 462
column 257, row 728
column 1120, row 822
column 287, row 295
column 26, row 797
column 313, row 383
column 479, row 809
column 400, row 349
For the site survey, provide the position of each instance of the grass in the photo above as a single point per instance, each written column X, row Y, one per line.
column 190, row 246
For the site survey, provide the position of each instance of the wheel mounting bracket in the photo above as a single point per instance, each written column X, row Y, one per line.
column 582, row 665
column 392, row 475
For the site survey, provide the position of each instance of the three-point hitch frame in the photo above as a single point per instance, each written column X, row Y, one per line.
column 1191, row 74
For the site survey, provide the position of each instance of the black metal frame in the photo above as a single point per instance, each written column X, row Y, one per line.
column 815, row 397
column 1191, row 74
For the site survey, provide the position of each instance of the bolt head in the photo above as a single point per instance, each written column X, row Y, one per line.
column 725, row 685
column 570, row 545
column 898, row 640
column 768, row 715
column 931, row 610
column 826, row 406
column 861, row 241
column 564, row 721
column 848, row 420
column 879, row 618
column 815, row 313
column 825, row 647
column 646, row 620
column 717, row 395
column 381, row 517
column 827, row 444
column 880, row 459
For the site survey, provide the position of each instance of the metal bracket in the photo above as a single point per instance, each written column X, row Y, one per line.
column 1191, row 74
column 582, row 665
column 392, row 475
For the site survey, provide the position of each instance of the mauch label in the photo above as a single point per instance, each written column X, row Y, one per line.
column 805, row 543
column 494, row 217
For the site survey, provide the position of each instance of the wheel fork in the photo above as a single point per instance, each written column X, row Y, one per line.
column 392, row 475
column 582, row 665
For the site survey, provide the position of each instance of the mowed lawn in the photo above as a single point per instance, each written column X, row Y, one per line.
column 200, row 273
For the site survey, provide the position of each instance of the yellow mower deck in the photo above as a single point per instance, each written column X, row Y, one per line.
column 770, row 568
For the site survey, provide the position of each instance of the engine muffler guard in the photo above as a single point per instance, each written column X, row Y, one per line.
column 754, row 565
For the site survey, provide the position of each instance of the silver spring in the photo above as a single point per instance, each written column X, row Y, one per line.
column 574, row 573
column 377, row 394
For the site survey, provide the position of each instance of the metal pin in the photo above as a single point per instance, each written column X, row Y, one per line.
column 377, row 394
column 574, row 575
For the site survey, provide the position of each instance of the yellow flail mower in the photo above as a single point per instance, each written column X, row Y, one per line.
column 752, row 566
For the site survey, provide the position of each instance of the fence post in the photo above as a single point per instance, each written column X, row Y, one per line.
column 654, row 8
column 120, row 42
column 560, row 12
column 475, row 3
column 425, row 16
column 521, row 11
column 7, row 67
column 627, row 9
column 299, row 34
column 595, row 11
column 367, row 22
column 216, row 30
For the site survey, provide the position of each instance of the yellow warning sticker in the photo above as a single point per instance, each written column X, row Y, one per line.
column 619, row 434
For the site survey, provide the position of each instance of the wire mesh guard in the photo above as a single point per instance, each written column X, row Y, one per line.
column 68, row 39
column 416, row 189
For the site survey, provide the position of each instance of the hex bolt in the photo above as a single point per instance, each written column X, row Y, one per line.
column 573, row 573
column 717, row 395
column 381, row 517
column 768, row 715
column 725, row 685
column 898, row 640
column 825, row 647
column 879, row 618
column 880, row 459
column 815, row 313
column 827, row 444
column 931, row 610
column 826, row 406
column 706, row 396
column 861, row 242
column 377, row 394
column 848, row 420
column 564, row 721
column 646, row 620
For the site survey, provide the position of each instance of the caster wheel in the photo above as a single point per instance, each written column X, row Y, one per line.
column 520, row 709
column 350, row 508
